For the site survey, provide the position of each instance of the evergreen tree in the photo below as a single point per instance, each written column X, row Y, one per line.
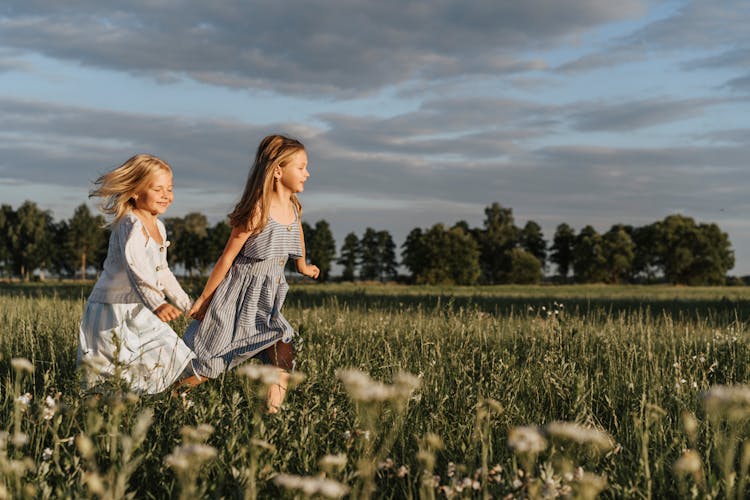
column 387, row 253
column 414, row 253
column 349, row 258
column 7, row 216
column 369, row 252
column 321, row 248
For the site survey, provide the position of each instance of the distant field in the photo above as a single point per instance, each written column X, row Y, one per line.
column 649, row 381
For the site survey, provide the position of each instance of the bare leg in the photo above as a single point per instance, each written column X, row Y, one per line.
column 282, row 356
column 190, row 382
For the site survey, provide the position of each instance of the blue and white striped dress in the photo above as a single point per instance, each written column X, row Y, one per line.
column 244, row 316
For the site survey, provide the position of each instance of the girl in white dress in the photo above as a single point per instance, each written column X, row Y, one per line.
column 124, row 331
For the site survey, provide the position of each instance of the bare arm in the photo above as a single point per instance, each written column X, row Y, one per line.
column 235, row 243
column 310, row 270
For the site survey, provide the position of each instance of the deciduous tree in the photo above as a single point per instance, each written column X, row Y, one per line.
column 499, row 236
column 589, row 259
column 30, row 239
column 84, row 237
column 532, row 240
column 619, row 251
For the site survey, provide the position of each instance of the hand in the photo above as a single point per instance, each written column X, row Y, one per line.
column 167, row 312
column 311, row 271
column 200, row 306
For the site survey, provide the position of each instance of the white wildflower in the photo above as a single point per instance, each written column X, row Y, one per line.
column 689, row 463
column 197, row 434
column 22, row 365
column 406, row 383
column 361, row 387
column 25, row 400
column 597, row 439
column 19, row 439
column 47, row 454
column 50, row 408
column 734, row 401
column 590, row 485
column 689, row 423
column 262, row 443
column 332, row 462
column 402, row 471
column 451, row 469
column 388, row 464
column 95, row 483
column 96, row 364
column 265, row 374
column 187, row 403
column 188, row 456
column 312, row 485
column 85, row 446
column 526, row 439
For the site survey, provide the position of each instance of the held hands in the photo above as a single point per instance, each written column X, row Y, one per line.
column 200, row 306
column 167, row 312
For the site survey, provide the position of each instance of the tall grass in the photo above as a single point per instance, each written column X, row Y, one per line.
column 519, row 391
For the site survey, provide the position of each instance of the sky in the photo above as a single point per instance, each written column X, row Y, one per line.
column 585, row 112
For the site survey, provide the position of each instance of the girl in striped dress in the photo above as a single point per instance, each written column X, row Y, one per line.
column 238, row 314
column 124, row 330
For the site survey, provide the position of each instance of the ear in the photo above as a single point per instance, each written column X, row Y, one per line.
column 277, row 172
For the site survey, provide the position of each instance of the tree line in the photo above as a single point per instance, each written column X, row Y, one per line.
column 675, row 250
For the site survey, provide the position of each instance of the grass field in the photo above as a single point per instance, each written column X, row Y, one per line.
column 408, row 392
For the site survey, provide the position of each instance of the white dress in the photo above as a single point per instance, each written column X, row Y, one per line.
column 123, row 338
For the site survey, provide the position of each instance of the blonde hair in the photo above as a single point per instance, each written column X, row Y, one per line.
column 273, row 150
column 116, row 188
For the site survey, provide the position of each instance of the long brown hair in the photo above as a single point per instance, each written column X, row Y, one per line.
column 273, row 150
column 117, row 187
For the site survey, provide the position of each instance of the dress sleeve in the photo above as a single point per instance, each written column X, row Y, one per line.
column 142, row 278
column 172, row 287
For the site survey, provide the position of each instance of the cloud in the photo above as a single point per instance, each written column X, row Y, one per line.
column 68, row 145
column 315, row 47
column 638, row 114
column 697, row 26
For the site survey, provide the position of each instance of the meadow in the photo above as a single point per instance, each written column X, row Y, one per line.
column 403, row 392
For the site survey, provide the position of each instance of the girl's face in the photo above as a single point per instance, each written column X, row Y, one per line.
column 157, row 196
column 294, row 173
